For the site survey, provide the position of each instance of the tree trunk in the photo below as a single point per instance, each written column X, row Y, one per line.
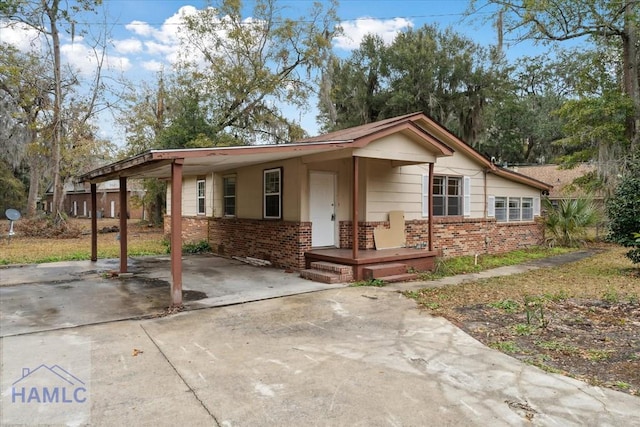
column 158, row 210
column 631, row 76
column 34, row 186
column 56, row 139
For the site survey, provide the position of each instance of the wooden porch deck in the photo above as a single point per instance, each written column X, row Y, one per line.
column 418, row 259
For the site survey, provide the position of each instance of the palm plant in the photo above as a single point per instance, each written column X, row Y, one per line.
column 566, row 223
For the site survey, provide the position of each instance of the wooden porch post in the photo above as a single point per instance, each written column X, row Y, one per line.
column 94, row 223
column 176, row 232
column 354, row 220
column 123, row 224
column 430, row 206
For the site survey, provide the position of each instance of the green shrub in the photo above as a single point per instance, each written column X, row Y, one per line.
column 200, row 247
column 566, row 224
column 623, row 210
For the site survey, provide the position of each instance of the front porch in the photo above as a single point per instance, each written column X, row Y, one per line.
column 375, row 264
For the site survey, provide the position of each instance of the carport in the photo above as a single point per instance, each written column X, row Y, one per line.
column 172, row 165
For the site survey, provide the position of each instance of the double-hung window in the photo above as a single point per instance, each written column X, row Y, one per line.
column 514, row 208
column 527, row 208
column 229, row 195
column 447, row 196
column 200, row 196
column 272, row 197
column 501, row 208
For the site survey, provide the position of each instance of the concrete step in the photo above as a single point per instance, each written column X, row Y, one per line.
column 405, row 277
column 381, row 270
column 322, row 276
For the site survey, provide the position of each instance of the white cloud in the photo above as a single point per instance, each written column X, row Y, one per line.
column 79, row 57
column 154, row 66
column 140, row 28
column 128, row 46
column 155, row 48
column 118, row 63
column 84, row 60
column 162, row 43
column 354, row 31
column 21, row 36
column 169, row 31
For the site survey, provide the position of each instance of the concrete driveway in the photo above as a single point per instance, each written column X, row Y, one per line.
column 336, row 357
column 344, row 357
column 58, row 295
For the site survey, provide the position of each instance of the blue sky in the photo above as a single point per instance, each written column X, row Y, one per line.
column 143, row 33
column 153, row 23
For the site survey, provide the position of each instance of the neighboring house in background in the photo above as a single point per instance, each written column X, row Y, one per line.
column 562, row 180
column 77, row 201
column 292, row 206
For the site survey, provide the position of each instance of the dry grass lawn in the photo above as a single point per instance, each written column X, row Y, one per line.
column 26, row 250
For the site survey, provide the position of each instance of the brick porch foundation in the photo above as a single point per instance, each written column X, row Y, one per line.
column 283, row 243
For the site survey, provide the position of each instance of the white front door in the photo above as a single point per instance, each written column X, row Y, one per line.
column 322, row 200
column 113, row 209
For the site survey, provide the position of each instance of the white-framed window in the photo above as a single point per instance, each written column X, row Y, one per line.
column 229, row 195
column 272, row 198
column 513, row 209
column 201, row 186
column 447, row 195
column 527, row 208
column 501, row 208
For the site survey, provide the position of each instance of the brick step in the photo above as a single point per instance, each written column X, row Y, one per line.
column 381, row 270
column 331, row 266
column 405, row 277
column 323, row 276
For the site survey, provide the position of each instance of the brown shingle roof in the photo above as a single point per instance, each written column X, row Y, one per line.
column 561, row 179
column 356, row 132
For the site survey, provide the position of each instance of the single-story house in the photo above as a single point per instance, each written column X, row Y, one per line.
column 77, row 202
column 295, row 204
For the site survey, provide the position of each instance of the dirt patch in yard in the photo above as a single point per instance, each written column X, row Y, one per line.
column 581, row 319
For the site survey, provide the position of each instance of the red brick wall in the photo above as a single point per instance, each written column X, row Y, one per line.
column 456, row 236
column 194, row 228
column 365, row 234
column 283, row 243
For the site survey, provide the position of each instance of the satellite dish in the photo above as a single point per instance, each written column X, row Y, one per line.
column 12, row 214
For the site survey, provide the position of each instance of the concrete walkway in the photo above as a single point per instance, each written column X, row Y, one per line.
column 344, row 356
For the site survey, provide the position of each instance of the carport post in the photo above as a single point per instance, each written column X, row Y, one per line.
column 430, row 208
column 354, row 229
column 176, row 232
column 123, row 224
column 94, row 223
